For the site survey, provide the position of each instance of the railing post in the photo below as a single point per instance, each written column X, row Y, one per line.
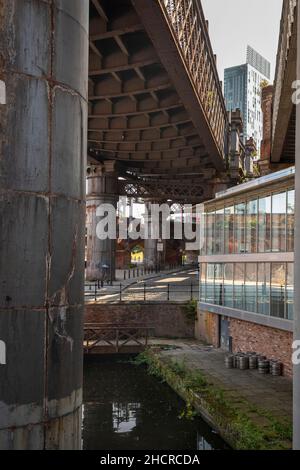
column 95, row 292
column 144, row 292
column 191, row 291
column 124, row 275
column 120, row 292
column 117, row 340
column 168, row 292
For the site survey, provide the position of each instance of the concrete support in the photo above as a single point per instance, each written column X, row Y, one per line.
column 150, row 245
column 102, row 189
column 43, row 116
column 296, row 379
column 150, row 253
column 154, row 249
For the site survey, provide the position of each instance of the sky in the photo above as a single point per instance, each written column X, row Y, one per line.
column 233, row 24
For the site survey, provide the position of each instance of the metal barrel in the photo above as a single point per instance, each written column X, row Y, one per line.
column 243, row 362
column 276, row 368
column 229, row 361
column 263, row 366
column 236, row 360
column 253, row 362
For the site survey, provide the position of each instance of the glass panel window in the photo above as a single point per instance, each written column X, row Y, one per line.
column 210, row 282
column 219, row 232
column 239, row 286
column 240, row 211
column 251, row 226
column 228, row 285
column 290, row 291
column 263, row 288
column 219, row 284
column 210, row 232
column 264, row 225
column 203, row 269
column 278, row 222
column 277, row 290
column 290, row 220
column 250, row 287
column 229, row 230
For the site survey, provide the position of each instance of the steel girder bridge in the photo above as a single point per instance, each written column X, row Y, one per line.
column 156, row 106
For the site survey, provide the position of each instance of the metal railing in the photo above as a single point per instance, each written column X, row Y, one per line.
column 142, row 292
column 99, row 335
column 140, row 271
column 190, row 30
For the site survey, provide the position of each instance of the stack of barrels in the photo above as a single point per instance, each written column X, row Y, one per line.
column 252, row 361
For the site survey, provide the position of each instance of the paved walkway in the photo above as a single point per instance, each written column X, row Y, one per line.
column 270, row 393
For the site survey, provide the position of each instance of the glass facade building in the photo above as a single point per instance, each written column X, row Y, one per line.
column 247, row 248
column 242, row 90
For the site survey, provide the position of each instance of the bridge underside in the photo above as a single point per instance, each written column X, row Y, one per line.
column 165, row 135
column 284, row 115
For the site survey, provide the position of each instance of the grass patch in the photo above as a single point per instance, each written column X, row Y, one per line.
column 190, row 311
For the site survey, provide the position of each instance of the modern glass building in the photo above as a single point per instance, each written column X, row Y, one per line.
column 242, row 89
column 247, row 259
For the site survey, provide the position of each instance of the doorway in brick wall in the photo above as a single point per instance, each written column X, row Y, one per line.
column 224, row 339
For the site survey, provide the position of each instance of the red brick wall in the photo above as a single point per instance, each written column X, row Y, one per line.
column 270, row 342
column 168, row 319
column 247, row 336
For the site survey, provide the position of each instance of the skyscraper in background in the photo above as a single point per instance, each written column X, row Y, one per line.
column 242, row 88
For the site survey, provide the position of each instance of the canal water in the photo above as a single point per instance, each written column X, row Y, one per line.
column 127, row 409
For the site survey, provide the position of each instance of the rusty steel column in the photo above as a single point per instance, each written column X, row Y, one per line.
column 44, row 70
column 102, row 189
